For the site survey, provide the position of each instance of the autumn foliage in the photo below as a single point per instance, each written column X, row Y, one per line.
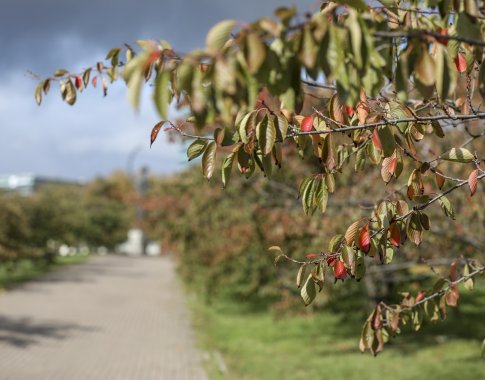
column 355, row 89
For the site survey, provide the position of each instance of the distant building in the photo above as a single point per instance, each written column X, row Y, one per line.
column 27, row 184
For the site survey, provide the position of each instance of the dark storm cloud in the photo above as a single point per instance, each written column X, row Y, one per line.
column 42, row 34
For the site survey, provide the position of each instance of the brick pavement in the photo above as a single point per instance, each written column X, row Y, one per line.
column 110, row 318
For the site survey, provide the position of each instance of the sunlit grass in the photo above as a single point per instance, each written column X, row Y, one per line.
column 256, row 345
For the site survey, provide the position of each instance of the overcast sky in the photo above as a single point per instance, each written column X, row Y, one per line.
column 97, row 135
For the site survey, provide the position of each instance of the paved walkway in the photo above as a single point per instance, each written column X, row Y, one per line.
column 110, row 318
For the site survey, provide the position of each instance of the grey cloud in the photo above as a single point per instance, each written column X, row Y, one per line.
column 33, row 33
column 97, row 135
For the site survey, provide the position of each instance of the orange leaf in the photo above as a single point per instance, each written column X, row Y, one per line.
column 376, row 140
column 377, row 318
column 453, row 271
column 420, row 296
column 307, row 123
column 362, row 112
column 364, row 239
column 351, row 232
column 440, row 180
column 460, row 63
column 155, row 130
column 443, row 32
column 473, row 181
column 388, row 169
column 452, row 296
column 336, row 110
column 395, row 235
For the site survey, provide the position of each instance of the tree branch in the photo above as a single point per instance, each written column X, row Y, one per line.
column 419, row 34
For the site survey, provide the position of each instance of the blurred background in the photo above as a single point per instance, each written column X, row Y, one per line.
column 79, row 182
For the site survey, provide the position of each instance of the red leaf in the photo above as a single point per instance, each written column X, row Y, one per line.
column 420, row 296
column 473, row 182
column 362, row 112
column 440, row 180
column 155, row 130
column 460, row 63
column 349, row 110
column 395, row 235
column 364, row 239
column 94, row 81
column 311, row 256
column 377, row 318
column 78, row 82
column 376, row 140
column 307, row 123
column 154, row 55
column 340, row 270
column 392, row 165
column 443, row 32
column 452, row 296
column 331, row 261
column 453, row 271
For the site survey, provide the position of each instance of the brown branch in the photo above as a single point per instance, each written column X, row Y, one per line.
column 342, row 127
column 441, row 292
column 182, row 133
column 420, row 34
column 318, row 85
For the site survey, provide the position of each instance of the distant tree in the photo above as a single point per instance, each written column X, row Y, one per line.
column 352, row 87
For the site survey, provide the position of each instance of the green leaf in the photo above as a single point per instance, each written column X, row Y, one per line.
column 318, row 275
column 68, row 92
column 335, row 243
column 447, row 207
column 162, row 93
column 321, row 194
column 355, row 37
column 466, row 27
column 282, row 129
column 387, row 140
column 309, row 49
column 219, row 34
column 266, row 135
column 458, row 155
column 366, row 337
column 227, row 168
column 300, row 275
column 267, row 165
column 209, row 160
column 86, row 75
column 359, row 265
column 445, row 72
column 468, row 283
column 425, row 68
column 60, row 72
column 414, row 229
column 134, row 87
column 196, row 149
column 307, row 195
column 112, row 53
column 256, row 52
column 309, row 291
column 483, row 349
column 38, row 93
